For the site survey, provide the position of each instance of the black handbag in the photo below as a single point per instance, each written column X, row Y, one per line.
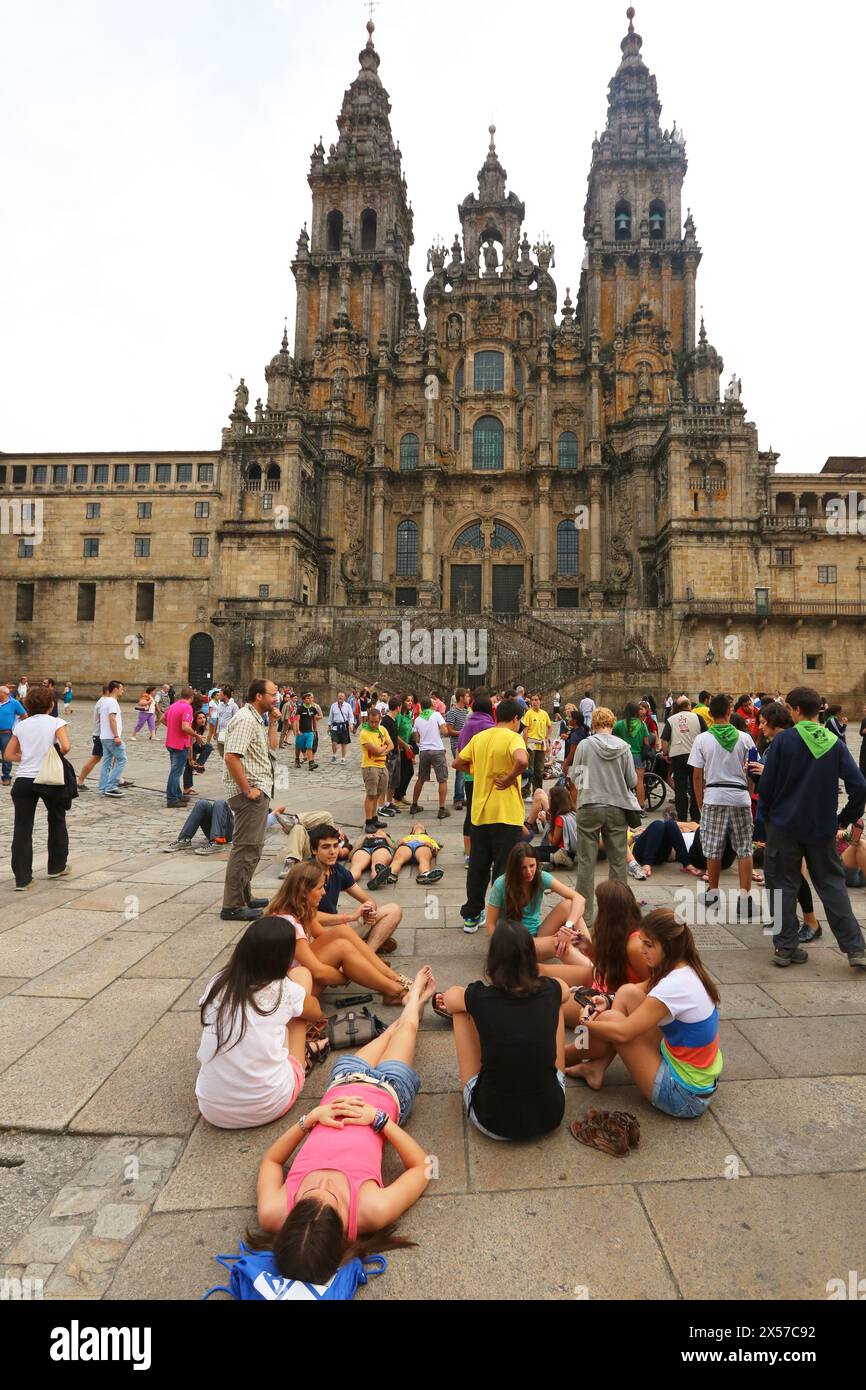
column 353, row 1028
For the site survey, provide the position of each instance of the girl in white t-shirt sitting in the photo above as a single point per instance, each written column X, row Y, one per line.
column 665, row 1029
column 254, row 1014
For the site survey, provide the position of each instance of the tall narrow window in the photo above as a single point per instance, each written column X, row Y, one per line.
column 568, row 450
column 86, row 612
column 409, row 445
column 368, row 230
column 488, row 445
column 567, row 549
column 489, row 371
column 407, row 549
column 335, row 231
column 24, row 603
column 144, row 602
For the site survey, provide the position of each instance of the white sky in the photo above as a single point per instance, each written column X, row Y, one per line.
column 154, row 157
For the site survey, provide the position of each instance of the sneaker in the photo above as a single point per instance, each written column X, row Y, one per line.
column 380, row 877
column 311, row 767
column 258, row 902
column 20, row 887
column 288, row 866
column 334, row 758
column 176, row 845
column 286, row 822
column 471, row 924
column 7, row 782
column 61, row 873
column 212, row 847
column 82, row 786
column 378, row 824
column 387, row 811
column 793, row 957
column 712, row 897
column 635, row 870
column 114, row 794
column 808, row 934
column 857, row 961
column 124, row 783
column 414, row 809
column 444, row 813
column 175, row 805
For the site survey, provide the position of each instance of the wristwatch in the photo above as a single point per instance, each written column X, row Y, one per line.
column 569, row 926
column 382, row 1118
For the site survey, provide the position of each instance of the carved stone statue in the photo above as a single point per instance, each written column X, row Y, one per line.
column 260, row 411
column 242, row 396
column 734, row 390
column 455, row 330
column 339, row 386
column 491, row 258
column 644, row 380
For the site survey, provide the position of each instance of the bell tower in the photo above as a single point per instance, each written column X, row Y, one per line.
column 638, row 260
column 354, row 262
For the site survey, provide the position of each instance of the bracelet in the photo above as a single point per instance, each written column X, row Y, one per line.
column 301, row 1122
column 379, row 1123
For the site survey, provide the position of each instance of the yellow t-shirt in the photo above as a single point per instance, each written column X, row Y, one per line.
column 704, row 714
column 490, row 754
column 536, row 726
column 373, row 752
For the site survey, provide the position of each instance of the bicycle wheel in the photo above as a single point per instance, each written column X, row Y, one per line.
column 655, row 791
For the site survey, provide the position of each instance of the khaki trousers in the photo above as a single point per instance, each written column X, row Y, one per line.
column 251, row 823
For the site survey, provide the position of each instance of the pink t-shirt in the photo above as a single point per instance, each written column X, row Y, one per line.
column 439, row 707
column 300, row 934
column 178, row 713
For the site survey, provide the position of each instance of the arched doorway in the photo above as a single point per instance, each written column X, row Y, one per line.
column 201, row 661
column 487, row 568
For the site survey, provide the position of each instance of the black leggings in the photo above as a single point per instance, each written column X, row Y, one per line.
column 468, row 785
column 804, row 896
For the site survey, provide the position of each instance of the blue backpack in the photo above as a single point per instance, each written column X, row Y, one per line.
column 254, row 1275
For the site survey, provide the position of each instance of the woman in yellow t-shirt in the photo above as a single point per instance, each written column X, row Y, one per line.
column 420, row 848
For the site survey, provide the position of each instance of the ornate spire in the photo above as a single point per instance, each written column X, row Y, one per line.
column 364, row 124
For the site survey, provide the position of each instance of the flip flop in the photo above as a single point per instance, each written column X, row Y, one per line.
column 315, row 1053
column 440, row 1009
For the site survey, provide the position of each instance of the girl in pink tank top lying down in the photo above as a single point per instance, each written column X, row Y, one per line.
column 333, row 1205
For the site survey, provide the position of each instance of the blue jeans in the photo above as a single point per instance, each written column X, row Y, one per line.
column 113, row 763
column 201, row 757
column 5, row 735
column 179, row 759
column 402, row 1078
column 213, row 818
column 674, row 1099
column 459, row 793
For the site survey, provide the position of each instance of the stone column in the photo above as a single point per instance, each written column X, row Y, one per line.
column 689, row 319
column 301, row 348
column 544, row 593
column 595, row 532
column 544, row 419
column 324, row 291
column 620, row 295
column 428, row 531
column 377, row 569
column 666, row 293
column 368, row 303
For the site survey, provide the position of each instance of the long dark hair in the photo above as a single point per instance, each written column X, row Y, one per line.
column 617, row 916
column 312, row 1245
column 264, row 953
column 678, row 948
column 519, row 892
column 512, row 962
column 631, row 716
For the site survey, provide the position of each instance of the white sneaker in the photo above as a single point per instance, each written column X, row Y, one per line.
column 176, row 845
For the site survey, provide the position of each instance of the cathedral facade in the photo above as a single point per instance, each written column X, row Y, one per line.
column 568, row 474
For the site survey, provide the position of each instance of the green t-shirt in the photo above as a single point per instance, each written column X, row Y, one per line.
column 404, row 724
column 532, row 911
column 633, row 732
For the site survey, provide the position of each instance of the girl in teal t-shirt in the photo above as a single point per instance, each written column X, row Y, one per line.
column 518, row 896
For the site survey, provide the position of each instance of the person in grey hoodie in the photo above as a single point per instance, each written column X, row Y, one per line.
column 604, row 773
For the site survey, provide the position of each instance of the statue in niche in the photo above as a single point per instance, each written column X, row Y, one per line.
column 339, row 386
column 455, row 330
column 644, row 381
column 491, row 258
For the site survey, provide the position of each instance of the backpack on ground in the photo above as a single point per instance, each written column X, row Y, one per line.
column 254, row 1275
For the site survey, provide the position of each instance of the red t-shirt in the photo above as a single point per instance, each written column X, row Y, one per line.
column 178, row 713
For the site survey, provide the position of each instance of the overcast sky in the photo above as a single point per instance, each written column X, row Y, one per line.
column 154, row 160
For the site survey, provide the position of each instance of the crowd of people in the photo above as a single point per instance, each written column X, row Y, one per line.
column 754, row 780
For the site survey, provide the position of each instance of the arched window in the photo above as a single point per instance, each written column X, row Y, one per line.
column 407, row 549
column 335, row 231
column 622, row 221
column 273, row 478
column 488, row 445
column 657, row 220
column 368, row 230
column 489, row 371
column 504, row 538
column 518, row 375
column 253, row 481
column 408, row 453
column 470, row 539
column 567, row 549
column 568, row 450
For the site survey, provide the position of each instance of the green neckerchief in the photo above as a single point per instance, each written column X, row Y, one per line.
column 726, row 735
column 817, row 739
column 425, row 713
column 370, row 730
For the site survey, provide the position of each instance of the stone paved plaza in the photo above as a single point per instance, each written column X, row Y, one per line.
column 111, row 1186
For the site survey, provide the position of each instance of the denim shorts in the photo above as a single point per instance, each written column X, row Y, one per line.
column 467, row 1101
column 401, row 1078
column 674, row 1099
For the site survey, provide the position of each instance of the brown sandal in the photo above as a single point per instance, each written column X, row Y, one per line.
column 388, row 947
column 599, row 1134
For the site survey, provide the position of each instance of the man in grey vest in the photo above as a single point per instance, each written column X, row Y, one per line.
column 678, row 736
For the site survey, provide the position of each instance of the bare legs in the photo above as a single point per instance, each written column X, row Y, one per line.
column 343, row 961
column 642, row 1055
column 397, row 1043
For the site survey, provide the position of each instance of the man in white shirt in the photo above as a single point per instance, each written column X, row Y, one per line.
column 678, row 737
column 341, row 722
column 718, row 758
column 111, row 737
column 427, row 731
column 586, row 707
column 226, row 711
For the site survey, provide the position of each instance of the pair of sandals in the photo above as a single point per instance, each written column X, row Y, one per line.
column 397, row 998
column 613, row 1132
column 317, row 1045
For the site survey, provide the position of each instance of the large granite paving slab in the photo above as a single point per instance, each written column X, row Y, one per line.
column 24, row 1023
column 820, row 997
column 594, row 1243
column 761, row 1238
column 810, row 1046
column 153, row 1090
column 89, row 971
column 173, row 1257
column 45, row 1088
column 189, row 953
column 756, row 967
column 803, row 1125
column 34, row 946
